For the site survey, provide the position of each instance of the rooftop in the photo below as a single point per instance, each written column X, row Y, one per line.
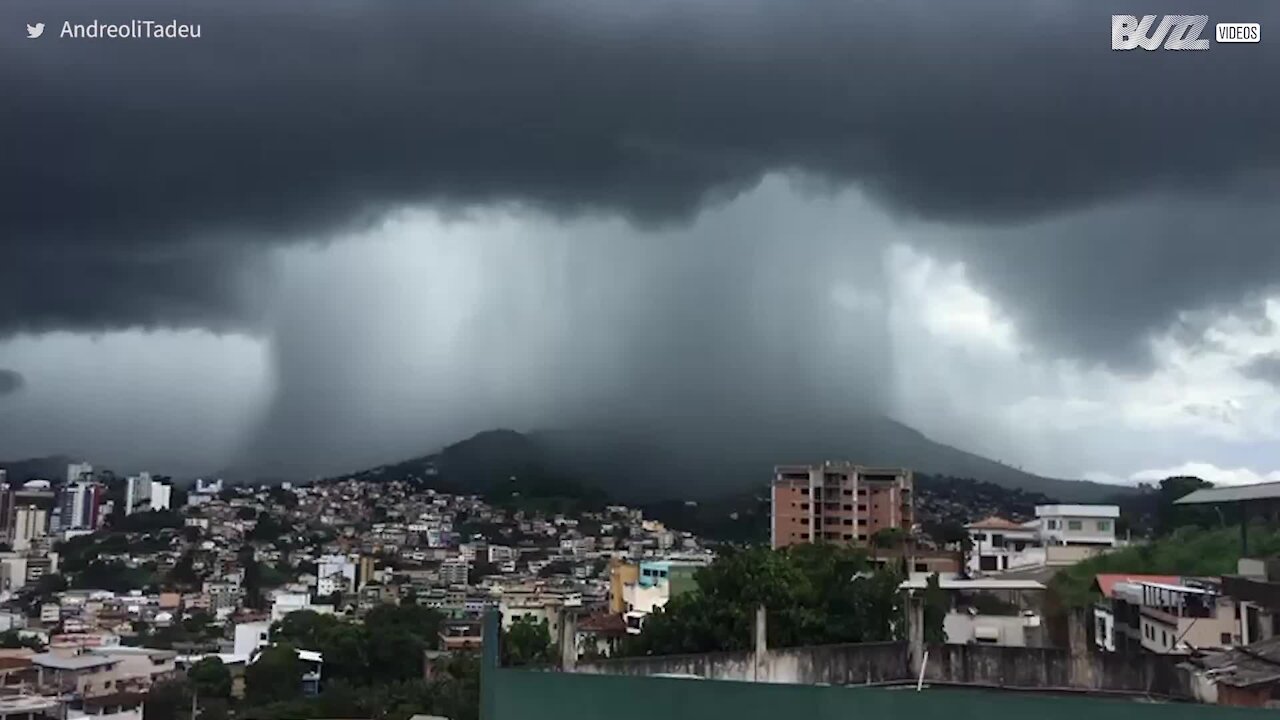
column 996, row 523
column 1095, row 511
column 1254, row 664
column 1107, row 581
column 71, row 662
column 980, row 584
column 1260, row 491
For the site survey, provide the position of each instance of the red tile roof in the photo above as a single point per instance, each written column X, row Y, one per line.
column 14, row 663
column 1107, row 581
column 996, row 523
column 604, row 625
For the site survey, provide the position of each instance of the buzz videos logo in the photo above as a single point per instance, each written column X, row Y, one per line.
column 1176, row 32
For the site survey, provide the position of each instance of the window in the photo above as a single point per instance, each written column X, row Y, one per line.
column 804, row 506
column 848, row 493
column 1052, row 524
column 1104, row 526
column 862, row 522
column 862, row 508
column 862, row 492
column 1225, row 639
column 979, row 537
column 997, row 539
column 848, row 521
column 804, row 491
column 862, row 536
column 848, row 507
column 1074, row 525
column 922, row 567
column 804, row 536
column 848, row 536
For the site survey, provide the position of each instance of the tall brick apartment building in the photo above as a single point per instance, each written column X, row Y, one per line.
column 838, row 502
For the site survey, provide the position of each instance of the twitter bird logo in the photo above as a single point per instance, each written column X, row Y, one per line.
column 35, row 31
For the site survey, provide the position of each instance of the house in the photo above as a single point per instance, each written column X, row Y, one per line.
column 987, row 611
column 1256, row 587
column 83, row 674
column 600, row 635
column 461, row 635
column 1078, row 525
column 139, row 667
column 1000, row 544
column 1060, row 535
column 1127, row 637
column 1176, row 618
column 1245, row 676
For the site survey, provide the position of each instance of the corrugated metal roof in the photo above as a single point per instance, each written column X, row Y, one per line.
column 1240, row 493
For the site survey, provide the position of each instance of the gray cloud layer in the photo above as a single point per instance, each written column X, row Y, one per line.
column 142, row 171
column 1085, row 188
column 11, row 381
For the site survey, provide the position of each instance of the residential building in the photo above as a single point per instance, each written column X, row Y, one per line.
column 1127, row 636
column 249, row 637
column 79, row 472
column 1256, row 587
column 999, row 544
column 838, row 502
column 1173, row 618
column 988, row 611
column 139, row 667
column 144, row 493
column 454, row 571
column 1079, row 525
column 83, row 674
column 1240, row 677
column 80, row 505
column 30, row 524
column 336, row 573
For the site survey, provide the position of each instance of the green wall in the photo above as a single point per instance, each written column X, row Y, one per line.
column 531, row 695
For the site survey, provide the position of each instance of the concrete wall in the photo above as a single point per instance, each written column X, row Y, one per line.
column 874, row 663
column 1053, row 668
column 716, row 666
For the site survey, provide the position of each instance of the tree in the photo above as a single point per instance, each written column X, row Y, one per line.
column 11, row 639
column 890, row 537
column 211, row 678
column 275, row 676
column 814, row 594
column 527, row 643
column 1170, row 517
column 168, row 700
column 935, row 611
column 253, row 597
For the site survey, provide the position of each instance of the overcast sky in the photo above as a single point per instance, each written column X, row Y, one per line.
column 330, row 234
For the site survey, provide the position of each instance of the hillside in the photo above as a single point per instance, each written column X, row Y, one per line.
column 643, row 466
column 45, row 468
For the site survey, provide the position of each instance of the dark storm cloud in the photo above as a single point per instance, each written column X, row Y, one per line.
column 1264, row 367
column 11, row 381
column 143, row 176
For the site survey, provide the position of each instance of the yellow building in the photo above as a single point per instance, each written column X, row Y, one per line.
column 620, row 573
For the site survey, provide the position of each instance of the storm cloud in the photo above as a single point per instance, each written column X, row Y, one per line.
column 1098, row 195
column 11, row 381
column 143, row 174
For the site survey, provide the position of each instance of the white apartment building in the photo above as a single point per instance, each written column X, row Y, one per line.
column 1092, row 525
column 335, row 573
column 1060, row 535
column 77, row 472
column 454, row 571
column 142, row 494
column 30, row 523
